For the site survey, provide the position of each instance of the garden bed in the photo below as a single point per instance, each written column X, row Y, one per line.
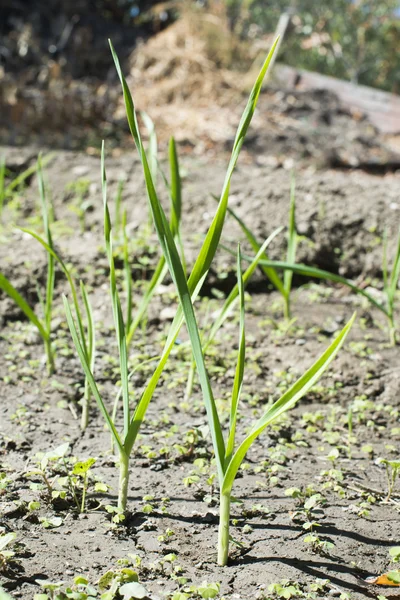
column 173, row 513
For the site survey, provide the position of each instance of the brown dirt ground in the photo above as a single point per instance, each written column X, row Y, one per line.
column 342, row 215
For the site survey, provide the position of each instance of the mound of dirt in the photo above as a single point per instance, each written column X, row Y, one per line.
column 316, row 127
column 60, row 89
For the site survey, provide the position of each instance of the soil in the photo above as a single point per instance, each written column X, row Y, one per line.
column 342, row 215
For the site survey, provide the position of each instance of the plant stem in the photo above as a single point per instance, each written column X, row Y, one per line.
column 286, row 306
column 50, row 356
column 85, row 406
column 390, row 483
column 223, row 532
column 48, row 484
column 84, row 493
column 70, row 483
column 190, row 380
column 123, row 480
column 392, row 331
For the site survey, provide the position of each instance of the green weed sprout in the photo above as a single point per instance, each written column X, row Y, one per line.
column 283, row 285
column 43, row 324
column 270, row 268
column 392, row 473
column 88, row 333
column 6, row 555
column 228, row 460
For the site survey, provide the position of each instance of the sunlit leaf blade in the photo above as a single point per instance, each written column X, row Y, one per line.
column 10, row 290
column 285, row 402
column 162, row 269
column 152, row 152
column 50, row 266
column 176, row 270
column 128, row 275
column 175, row 186
column 88, row 373
column 115, row 301
column 239, row 372
column 307, row 271
column 176, row 197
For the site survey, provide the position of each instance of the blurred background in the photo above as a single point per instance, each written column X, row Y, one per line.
column 187, row 62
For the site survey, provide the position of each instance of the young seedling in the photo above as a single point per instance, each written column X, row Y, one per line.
column 392, row 472
column 124, row 441
column 6, row 555
column 42, row 324
column 81, row 470
column 228, row 460
column 44, row 470
column 87, row 334
column 152, row 151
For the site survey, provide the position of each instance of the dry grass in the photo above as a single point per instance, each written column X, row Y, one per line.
column 183, row 76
